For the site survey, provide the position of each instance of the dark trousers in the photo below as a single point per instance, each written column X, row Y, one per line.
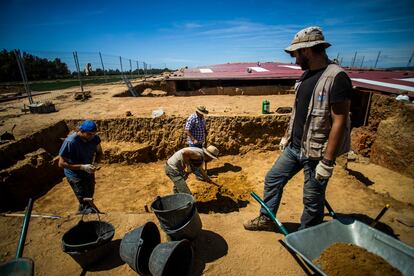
column 286, row 166
column 82, row 187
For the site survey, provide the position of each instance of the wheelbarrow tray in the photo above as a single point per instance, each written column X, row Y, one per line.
column 311, row 242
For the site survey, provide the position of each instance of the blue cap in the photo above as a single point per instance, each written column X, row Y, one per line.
column 88, row 126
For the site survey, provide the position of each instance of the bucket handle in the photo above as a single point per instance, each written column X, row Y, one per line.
column 100, row 234
column 188, row 204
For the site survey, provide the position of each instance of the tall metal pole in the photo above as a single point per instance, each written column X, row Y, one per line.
column 411, row 58
column 22, row 70
column 340, row 63
column 130, row 67
column 376, row 61
column 75, row 57
column 138, row 67
column 353, row 60
column 120, row 61
column 362, row 62
column 103, row 67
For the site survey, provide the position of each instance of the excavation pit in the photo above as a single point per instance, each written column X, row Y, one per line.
column 132, row 173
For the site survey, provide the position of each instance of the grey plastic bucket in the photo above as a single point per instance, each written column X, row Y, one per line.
column 173, row 258
column 137, row 245
column 189, row 230
column 173, row 211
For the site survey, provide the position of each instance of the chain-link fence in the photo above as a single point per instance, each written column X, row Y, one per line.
column 374, row 59
column 36, row 73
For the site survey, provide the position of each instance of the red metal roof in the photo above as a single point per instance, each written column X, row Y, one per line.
column 379, row 80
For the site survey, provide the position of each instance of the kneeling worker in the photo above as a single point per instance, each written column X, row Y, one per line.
column 179, row 165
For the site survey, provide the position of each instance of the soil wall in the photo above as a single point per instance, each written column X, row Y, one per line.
column 393, row 147
column 47, row 138
column 164, row 135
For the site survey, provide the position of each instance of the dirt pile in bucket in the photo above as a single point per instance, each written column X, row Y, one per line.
column 349, row 259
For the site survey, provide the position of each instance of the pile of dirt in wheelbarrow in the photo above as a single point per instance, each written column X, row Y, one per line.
column 349, row 259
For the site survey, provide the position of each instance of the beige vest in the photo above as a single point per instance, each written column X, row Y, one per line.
column 318, row 120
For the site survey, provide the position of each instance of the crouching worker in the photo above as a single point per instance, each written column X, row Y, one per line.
column 178, row 166
column 79, row 156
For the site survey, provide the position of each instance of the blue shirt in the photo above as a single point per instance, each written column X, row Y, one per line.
column 75, row 151
column 197, row 128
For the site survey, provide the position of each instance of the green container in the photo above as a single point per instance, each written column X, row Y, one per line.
column 265, row 107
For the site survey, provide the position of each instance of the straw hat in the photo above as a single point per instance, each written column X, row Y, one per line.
column 307, row 38
column 202, row 110
column 211, row 151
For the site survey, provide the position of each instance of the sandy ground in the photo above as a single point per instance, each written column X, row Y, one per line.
column 104, row 105
column 224, row 247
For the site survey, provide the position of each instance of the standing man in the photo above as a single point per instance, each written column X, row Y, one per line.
column 79, row 156
column 196, row 131
column 195, row 128
column 318, row 132
column 180, row 165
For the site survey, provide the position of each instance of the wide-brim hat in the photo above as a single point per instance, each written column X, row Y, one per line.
column 211, row 151
column 307, row 38
column 202, row 110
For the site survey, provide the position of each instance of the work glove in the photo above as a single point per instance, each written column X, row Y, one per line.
column 323, row 171
column 283, row 144
column 89, row 168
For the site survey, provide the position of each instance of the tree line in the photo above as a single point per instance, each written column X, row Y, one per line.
column 46, row 69
column 36, row 68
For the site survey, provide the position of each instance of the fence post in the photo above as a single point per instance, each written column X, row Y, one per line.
column 411, row 58
column 120, row 61
column 130, row 68
column 376, row 61
column 22, row 70
column 75, row 57
column 353, row 60
column 103, row 67
column 138, row 67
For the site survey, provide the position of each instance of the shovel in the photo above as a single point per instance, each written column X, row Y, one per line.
column 20, row 265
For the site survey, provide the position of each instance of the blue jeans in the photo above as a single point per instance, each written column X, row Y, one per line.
column 199, row 145
column 286, row 166
column 196, row 170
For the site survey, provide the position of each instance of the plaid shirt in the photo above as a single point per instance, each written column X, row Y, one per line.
column 197, row 128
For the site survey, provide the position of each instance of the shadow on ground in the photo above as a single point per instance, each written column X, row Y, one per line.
column 221, row 204
column 360, row 177
column 110, row 260
column 208, row 247
column 227, row 167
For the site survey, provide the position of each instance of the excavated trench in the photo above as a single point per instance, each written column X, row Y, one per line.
column 132, row 146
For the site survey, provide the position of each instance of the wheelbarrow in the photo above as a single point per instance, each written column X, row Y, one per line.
column 20, row 265
column 309, row 243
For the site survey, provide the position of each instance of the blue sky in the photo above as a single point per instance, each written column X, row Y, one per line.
column 194, row 33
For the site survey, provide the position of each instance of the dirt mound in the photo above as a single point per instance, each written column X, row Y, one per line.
column 349, row 259
column 227, row 194
column 153, row 93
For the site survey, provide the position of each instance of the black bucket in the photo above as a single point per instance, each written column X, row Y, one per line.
column 171, row 259
column 137, row 245
column 173, row 211
column 86, row 242
column 189, row 230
